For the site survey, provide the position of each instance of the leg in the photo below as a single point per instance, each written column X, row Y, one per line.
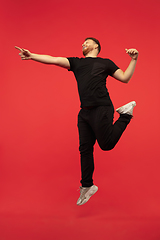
column 86, row 143
column 107, row 133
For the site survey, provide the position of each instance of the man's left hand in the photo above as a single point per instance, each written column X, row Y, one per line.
column 133, row 53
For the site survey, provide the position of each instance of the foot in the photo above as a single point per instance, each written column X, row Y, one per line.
column 127, row 109
column 86, row 193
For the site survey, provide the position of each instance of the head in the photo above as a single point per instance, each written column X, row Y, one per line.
column 91, row 44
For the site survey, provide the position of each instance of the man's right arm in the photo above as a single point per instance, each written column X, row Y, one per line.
column 46, row 59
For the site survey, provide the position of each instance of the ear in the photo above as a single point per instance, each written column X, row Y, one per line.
column 96, row 46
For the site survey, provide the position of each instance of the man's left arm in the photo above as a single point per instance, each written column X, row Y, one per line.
column 126, row 76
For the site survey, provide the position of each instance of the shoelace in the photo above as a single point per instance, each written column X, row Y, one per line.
column 82, row 191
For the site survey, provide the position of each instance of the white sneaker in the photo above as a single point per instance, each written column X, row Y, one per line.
column 86, row 193
column 127, row 109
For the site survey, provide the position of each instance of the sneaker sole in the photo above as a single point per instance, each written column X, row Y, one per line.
column 133, row 103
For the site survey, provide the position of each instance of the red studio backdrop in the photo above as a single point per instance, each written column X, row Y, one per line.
column 39, row 157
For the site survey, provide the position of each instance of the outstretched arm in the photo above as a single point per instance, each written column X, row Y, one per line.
column 126, row 76
column 46, row 59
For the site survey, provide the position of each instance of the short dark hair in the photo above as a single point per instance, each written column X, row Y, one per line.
column 96, row 41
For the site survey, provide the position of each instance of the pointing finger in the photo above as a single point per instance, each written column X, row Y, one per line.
column 18, row 48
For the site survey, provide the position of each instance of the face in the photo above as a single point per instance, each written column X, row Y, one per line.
column 88, row 46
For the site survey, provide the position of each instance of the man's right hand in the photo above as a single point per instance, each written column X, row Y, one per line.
column 25, row 54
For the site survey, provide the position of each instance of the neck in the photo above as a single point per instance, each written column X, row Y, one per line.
column 92, row 54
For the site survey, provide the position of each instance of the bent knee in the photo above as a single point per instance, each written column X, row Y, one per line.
column 107, row 147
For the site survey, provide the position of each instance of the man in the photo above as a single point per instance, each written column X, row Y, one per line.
column 95, row 119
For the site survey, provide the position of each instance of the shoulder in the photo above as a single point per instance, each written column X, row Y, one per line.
column 105, row 61
column 108, row 61
column 73, row 58
column 74, row 62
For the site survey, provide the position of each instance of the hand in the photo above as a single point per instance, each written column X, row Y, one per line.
column 25, row 54
column 133, row 53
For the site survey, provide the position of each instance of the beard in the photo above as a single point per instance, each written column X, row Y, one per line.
column 86, row 50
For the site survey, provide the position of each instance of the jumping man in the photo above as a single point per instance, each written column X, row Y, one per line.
column 95, row 119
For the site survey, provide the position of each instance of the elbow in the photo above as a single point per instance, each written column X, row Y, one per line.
column 126, row 80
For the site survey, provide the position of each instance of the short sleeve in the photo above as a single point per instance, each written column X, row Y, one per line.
column 72, row 61
column 112, row 67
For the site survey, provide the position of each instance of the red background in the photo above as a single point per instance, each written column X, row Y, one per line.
column 39, row 158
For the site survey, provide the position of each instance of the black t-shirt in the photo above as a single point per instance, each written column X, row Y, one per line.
column 91, row 74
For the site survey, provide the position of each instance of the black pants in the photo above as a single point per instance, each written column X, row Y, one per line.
column 97, row 124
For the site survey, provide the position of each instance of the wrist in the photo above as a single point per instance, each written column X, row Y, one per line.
column 135, row 58
column 32, row 56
